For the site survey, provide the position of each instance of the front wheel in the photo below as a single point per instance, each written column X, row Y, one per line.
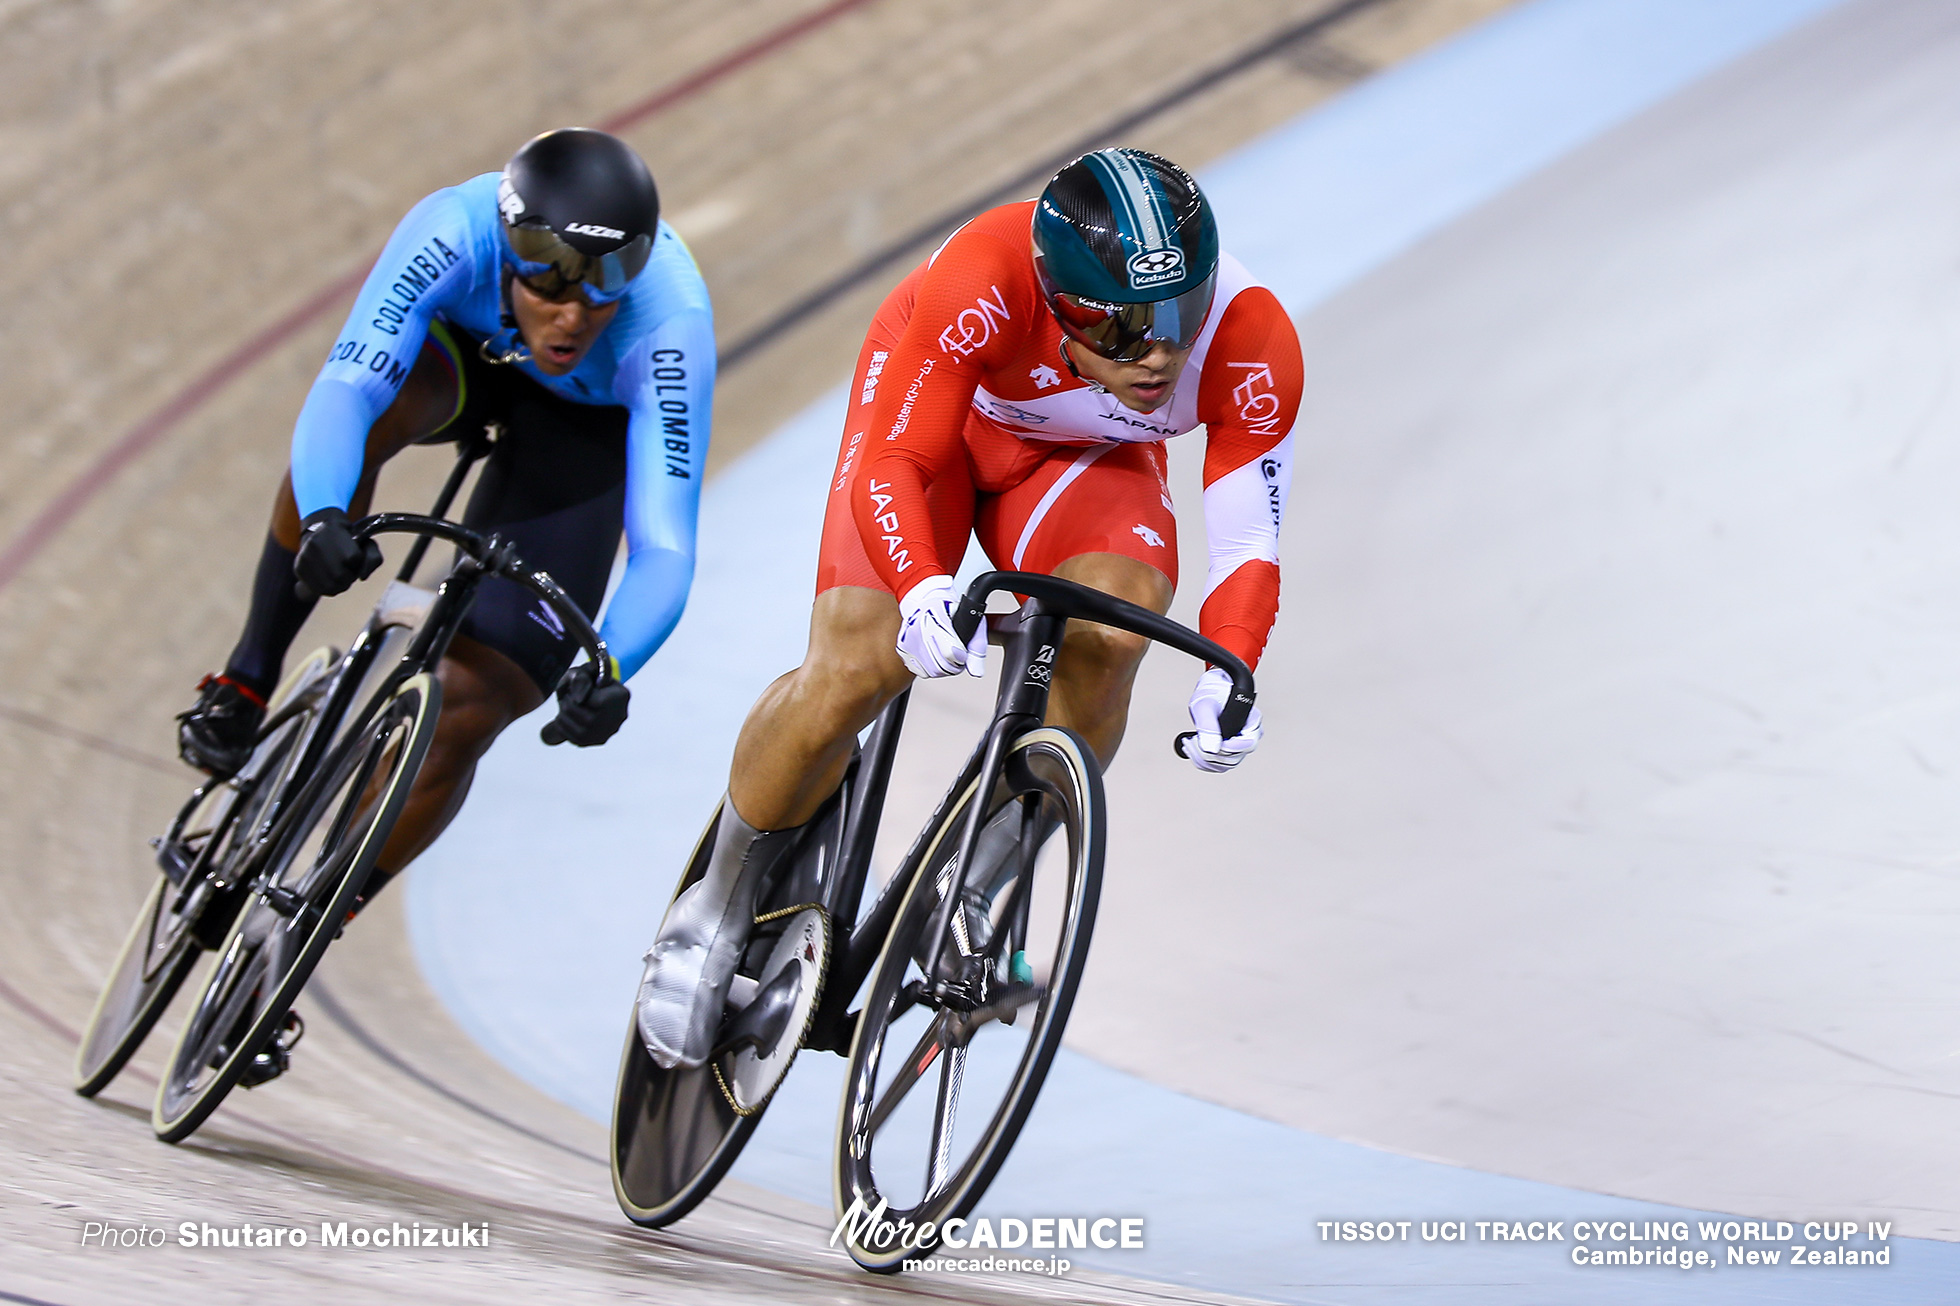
column 984, row 1029
column 191, row 896
column 298, row 903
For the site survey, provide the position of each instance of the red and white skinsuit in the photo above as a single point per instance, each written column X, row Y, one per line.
column 964, row 416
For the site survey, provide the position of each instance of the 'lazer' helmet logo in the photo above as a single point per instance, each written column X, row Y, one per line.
column 1152, row 267
column 593, row 229
column 509, row 202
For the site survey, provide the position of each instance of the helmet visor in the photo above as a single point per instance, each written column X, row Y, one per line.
column 554, row 269
column 1124, row 333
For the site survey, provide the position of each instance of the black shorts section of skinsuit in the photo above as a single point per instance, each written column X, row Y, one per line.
column 555, row 486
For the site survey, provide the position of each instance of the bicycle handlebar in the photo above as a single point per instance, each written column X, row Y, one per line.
column 498, row 558
column 1069, row 599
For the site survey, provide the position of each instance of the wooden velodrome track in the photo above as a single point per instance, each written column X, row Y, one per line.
column 190, row 191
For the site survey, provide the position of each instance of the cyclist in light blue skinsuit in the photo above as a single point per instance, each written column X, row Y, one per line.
column 548, row 299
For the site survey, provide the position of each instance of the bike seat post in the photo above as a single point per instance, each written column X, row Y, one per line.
column 431, row 642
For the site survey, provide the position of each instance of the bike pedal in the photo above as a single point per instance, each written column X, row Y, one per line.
column 174, row 860
column 284, row 900
column 276, row 1058
column 264, row 1068
column 970, row 989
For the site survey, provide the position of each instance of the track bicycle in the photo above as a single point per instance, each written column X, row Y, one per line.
column 968, row 959
column 262, row 868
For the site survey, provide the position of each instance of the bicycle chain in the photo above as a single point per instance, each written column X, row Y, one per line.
column 728, row 1094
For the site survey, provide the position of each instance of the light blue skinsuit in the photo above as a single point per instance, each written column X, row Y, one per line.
column 656, row 359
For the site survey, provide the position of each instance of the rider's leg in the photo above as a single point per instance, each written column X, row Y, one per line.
column 554, row 489
column 217, row 733
column 1101, row 517
column 426, row 401
column 1098, row 664
column 790, row 756
column 797, row 740
column 1090, row 694
column 482, row 693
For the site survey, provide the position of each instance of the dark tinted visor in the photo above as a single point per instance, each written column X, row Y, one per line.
column 1124, row 333
column 553, row 269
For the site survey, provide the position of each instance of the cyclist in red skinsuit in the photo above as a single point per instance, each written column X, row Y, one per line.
column 1018, row 385
column 977, row 420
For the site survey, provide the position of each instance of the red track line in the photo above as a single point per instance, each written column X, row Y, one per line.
column 21, row 1003
column 48, row 523
column 714, row 72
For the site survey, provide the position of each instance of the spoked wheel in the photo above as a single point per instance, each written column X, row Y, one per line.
column 188, row 902
column 939, row 1087
column 297, row 905
column 676, row 1132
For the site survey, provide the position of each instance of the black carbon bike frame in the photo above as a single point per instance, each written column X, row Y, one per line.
column 478, row 556
column 1032, row 638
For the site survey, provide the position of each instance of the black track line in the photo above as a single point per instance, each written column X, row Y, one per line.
column 323, row 997
column 801, row 310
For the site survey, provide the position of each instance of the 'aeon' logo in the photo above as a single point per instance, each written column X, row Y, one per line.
column 975, row 326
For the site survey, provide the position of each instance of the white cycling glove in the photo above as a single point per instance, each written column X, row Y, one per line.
column 1208, row 752
column 927, row 643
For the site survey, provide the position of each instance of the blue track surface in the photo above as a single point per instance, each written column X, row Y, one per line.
column 544, row 981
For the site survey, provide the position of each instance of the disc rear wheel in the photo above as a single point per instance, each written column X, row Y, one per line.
column 677, row 1131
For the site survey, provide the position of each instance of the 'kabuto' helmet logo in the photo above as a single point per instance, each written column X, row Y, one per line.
column 1153, row 267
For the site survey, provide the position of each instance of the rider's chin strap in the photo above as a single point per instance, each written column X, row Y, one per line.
column 1068, row 361
column 517, row 351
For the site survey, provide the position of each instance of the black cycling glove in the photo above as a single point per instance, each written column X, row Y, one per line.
column 588, row 713
column 330, row 559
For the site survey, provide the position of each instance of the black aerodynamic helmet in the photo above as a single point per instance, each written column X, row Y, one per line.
column 580, row 210
column 1126, row 251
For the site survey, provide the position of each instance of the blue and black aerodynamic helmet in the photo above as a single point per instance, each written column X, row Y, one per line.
column 1127, row 253
column 580, row 212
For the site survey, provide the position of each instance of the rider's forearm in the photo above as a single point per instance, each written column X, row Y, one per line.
column 671, row 383
column 892, row 520
column 1240, row 612
column 329, row 445
column 1248, row 477
column 423, row 267
column 647, row 606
